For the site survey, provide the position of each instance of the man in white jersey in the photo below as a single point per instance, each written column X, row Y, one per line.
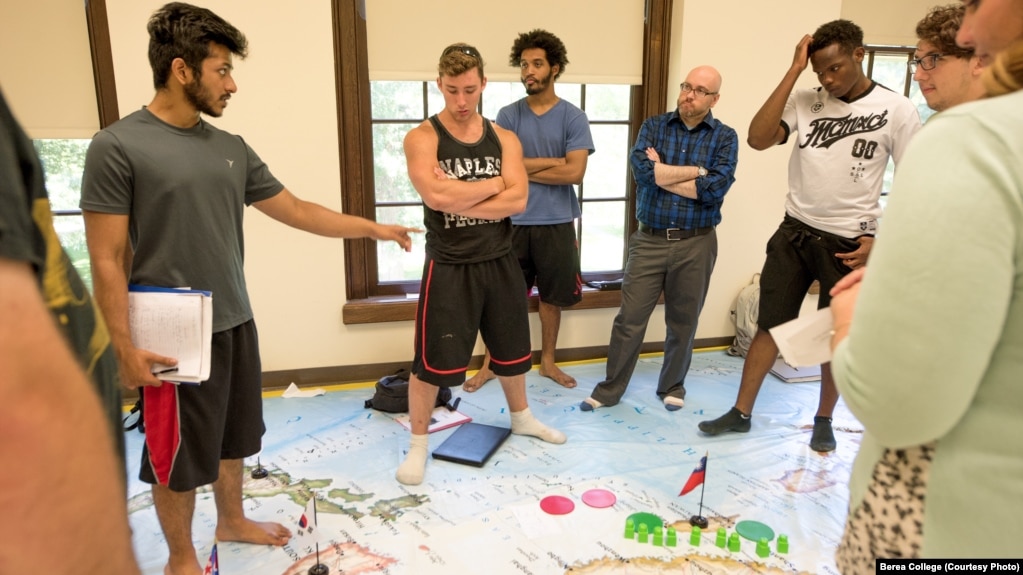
column 847, row 129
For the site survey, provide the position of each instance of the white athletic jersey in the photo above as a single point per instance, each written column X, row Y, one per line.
column 837, row 167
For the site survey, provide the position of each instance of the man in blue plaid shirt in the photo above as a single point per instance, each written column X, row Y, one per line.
column 684, row 163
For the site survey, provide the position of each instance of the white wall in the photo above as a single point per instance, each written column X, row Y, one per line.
column 285, row 109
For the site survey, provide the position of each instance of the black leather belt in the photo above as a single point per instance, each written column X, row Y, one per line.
column 674, row 234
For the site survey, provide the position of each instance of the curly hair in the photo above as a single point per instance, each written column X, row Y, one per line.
column 1005, row 74
column 179, row 30
column 940, row 26
column 845, row 33
column 553, row 47
column 457, row 59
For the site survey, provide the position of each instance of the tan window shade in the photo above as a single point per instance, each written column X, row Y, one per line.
column 604, row 38
column 46, row 68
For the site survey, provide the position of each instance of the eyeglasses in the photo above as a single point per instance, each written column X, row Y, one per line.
column 928, row 62
column 687, row 87
column 464, row 49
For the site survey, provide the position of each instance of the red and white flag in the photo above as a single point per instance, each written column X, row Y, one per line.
column 696, row 478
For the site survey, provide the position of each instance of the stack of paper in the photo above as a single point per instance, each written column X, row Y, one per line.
column 176, row 323
column 442, row 418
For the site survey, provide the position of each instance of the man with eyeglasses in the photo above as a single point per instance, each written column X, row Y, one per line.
column 848, row 128
column 947, row 74
column 684, row 164
column 471, row 176
column 556, row 141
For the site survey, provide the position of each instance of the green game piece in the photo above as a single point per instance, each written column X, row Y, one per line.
column 672, row 539
column 722, row 538
column 694, row 536
column 644, row 533
column 754, row 530
column 630, row 529
column 763, row 550
column 783, row 544
column 658, row 536
column 733, row 542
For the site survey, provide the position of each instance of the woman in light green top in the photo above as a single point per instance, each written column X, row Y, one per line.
column 931, row 362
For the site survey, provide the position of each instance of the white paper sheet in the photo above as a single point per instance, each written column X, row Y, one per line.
column 805, row 340
column 294, row 391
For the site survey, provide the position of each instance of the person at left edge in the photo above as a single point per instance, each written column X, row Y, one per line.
column 684, row 164
column 163, row 196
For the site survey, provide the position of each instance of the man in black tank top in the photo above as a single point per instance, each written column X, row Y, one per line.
column 471, row 177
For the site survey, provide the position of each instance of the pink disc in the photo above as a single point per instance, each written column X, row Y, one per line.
column 557, row 505
column 599, row 498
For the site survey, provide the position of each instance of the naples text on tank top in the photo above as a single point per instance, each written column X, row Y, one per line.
column 451, row 238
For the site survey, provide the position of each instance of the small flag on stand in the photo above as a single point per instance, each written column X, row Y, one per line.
column 308, row 519
column 212, row 564
column 696, row 478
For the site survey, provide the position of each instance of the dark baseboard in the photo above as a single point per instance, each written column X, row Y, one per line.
column 347, row 374
column 371, row 372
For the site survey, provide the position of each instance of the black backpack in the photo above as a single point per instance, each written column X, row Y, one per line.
column 391, row 394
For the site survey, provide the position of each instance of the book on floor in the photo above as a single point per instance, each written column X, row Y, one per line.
column 472, row 444
column 441, row 418
column 789, row 374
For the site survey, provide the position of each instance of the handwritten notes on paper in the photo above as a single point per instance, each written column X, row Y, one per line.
column 176, row 323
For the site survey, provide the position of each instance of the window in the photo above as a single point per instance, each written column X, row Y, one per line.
column 888, row 66
column 397, row 107
column 63, row 162
column 367, row 299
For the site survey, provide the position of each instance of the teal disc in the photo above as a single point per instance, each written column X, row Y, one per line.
column 754, row 530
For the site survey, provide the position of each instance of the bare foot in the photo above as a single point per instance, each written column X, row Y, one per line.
column 554, row 372
column 477, row 381
column 258, row 532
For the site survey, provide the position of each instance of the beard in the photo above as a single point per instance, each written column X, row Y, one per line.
column 540, row 85
column 200, row 98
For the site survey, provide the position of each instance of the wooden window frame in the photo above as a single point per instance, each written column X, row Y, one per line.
column 356, row 152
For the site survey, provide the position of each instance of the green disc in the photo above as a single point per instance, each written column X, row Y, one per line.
column 754, row 530
column 649, row 519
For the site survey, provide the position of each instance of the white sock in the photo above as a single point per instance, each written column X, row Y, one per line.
column 523, row 423
column 412, row 470
column 672, row 400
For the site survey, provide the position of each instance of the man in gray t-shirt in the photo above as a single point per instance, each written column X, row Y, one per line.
column 163, row 197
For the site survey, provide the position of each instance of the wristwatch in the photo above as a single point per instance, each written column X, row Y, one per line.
column 701, row 171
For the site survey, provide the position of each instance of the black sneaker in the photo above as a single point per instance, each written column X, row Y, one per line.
column 823, row 438
column 734, row 420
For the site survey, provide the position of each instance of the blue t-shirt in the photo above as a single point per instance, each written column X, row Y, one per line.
column 562, row 129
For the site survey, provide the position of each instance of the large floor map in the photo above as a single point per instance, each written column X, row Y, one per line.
column 464, row 519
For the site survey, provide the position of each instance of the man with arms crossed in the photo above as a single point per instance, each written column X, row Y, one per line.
column 163, row 197
column 848, row 128
column 684, row 164
column 471, row 176
column 556, row 142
